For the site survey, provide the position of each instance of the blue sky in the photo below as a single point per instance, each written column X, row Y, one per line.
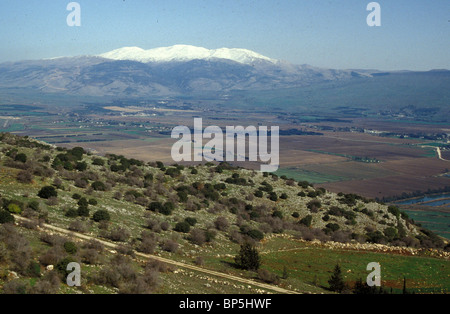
column 414, row 34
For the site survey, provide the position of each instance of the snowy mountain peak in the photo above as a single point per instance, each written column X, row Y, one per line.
column 185, row 53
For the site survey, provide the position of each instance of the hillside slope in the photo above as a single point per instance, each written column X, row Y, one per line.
column 184, row 213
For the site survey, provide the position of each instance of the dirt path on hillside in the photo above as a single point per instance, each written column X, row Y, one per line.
column 167, row 261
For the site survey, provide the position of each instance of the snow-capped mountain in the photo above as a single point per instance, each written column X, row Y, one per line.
column 175, row 70
column 183, row 53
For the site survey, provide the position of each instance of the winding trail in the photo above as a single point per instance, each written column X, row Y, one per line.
column 165, row 260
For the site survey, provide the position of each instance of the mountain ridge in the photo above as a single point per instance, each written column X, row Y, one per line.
column 169, row 71
column 185, row 53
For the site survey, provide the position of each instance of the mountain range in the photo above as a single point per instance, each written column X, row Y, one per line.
column 168, row 71
column 179, row 69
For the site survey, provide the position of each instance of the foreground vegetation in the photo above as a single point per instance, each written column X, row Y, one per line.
column 203, row 215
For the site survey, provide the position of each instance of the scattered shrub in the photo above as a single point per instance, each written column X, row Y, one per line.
column 70, row 247
column 170, row 246
column 71, row 212
column 268, row 277
column 24, row 177
column 101, row 215
column 191, row 221
column 98, row 186
column 221, row 224
column 6, row 217
column 21, row 157
column 47, row 192
column 255, row 234
column 306, row 221
column 183, row 227
column 119, row 234
column 197, row 236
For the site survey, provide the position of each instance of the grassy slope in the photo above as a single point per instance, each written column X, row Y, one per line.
column 305, row 263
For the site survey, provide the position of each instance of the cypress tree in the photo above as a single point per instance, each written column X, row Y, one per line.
column 336, row 281
column 248, row 257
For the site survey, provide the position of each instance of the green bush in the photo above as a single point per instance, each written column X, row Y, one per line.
column 183, row 196
column 34, row 205
column 167, row 208
column 306, row 221
column 394, row 211
column 21, row 158
column 71, row 212
column 61, row 266
column 47, row 192
column 101, row 215
column 98, row 162
column 83, row 202
column 258, row 193
column 173, row 172
column 68, row 166
column 391, row 233
column 273, row 196
column 210, row 235
column 155, row 206
column 6, row 217
column 70, row 247
column 183, row 227
column 314, row 205
column 277, row 214
column 255, row 234
column 14, row 209
column 304, row 184
column 81, row 166
column 333, row 227
column 191, row 221
column 83, row 211
column 98, row 186
column 376, row 237
column 34, row 270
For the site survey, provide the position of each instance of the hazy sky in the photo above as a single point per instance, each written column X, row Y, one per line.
column 414, row 34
